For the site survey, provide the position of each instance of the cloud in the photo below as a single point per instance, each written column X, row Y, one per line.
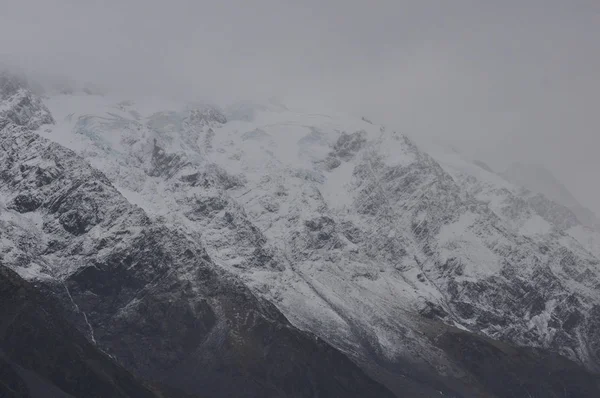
column 505, row 81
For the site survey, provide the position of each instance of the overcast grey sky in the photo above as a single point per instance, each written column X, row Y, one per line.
column 503, row 80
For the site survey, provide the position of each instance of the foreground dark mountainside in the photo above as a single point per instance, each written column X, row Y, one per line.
column 43, row 356
column 198, row 299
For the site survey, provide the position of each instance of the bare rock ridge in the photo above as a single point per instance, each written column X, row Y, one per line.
column 180, row 241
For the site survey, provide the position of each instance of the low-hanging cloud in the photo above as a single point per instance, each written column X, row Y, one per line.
column 504, row 81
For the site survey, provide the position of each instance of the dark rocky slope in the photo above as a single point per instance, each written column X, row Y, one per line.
column 41, row 355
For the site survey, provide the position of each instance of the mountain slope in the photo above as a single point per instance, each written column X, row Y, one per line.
column 148, row 294
column 241, row 217
column 351, row 230
column 41, row 355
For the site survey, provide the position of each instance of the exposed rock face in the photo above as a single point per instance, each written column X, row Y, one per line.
column 349, row 144
column 164, row 164
column 346, row 229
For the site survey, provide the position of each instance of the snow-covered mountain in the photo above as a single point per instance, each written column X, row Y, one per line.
column 540, row 180
column 419, row 267
column 146, row 292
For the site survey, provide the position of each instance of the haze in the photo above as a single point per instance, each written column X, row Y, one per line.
column 503, row 81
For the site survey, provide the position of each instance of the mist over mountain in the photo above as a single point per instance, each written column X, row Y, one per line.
column 503, row 82
column 299, row 199
column 538, row 179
